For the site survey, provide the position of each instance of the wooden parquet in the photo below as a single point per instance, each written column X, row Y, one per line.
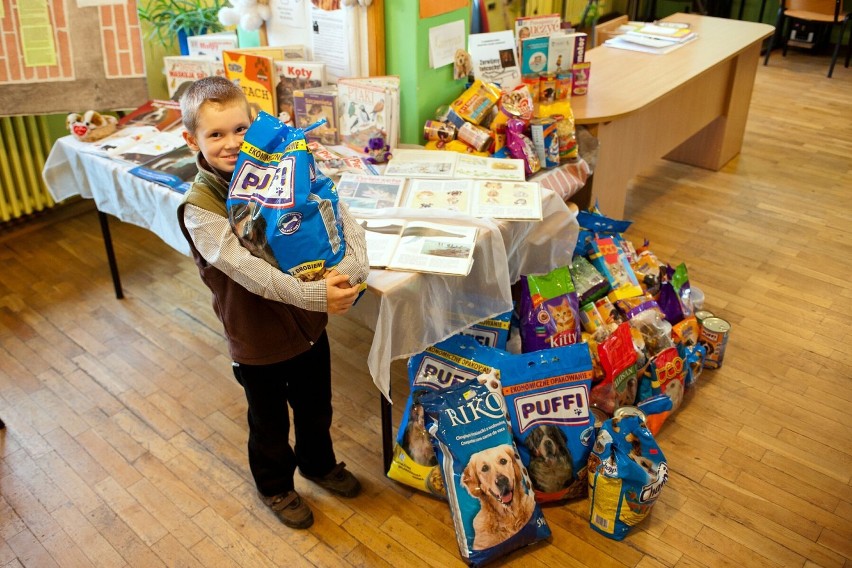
column 126, row 432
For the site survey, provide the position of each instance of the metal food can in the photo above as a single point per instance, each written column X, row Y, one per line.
column 702, row 315
column 545, row 137
column 475, row 136
column 563, row 85
column 714, row 338
column 439, row 131
column 532, row 81
column 547, row 87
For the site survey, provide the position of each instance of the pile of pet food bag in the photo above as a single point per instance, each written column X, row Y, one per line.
column 518, row 123
column 608, row 349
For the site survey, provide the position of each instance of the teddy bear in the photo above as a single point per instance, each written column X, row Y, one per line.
column 248, row 14
column 91, row 126
column 377, row 151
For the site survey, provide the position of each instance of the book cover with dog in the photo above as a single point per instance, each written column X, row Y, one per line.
column 255, row 75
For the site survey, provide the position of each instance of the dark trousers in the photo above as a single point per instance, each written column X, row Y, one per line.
column 305, row 383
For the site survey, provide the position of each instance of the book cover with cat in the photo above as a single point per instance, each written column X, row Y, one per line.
column 312, row 105
column 296, row 76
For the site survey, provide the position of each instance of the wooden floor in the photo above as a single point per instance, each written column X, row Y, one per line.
column 126, row 432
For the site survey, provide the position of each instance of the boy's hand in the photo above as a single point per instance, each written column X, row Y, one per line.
column 339, row 294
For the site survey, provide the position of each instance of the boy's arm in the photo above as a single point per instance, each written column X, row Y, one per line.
column 219, row 246
column 355, row 264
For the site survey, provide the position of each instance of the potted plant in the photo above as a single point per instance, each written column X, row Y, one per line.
column 170, row 19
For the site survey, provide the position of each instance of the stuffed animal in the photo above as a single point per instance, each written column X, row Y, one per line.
column 91, row 126
column 377, row 151
column 354, row 2
column 248, row 14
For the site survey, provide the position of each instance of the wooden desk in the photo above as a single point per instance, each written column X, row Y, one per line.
column 689, row 105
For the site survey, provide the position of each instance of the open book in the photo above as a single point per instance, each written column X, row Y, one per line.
column 370, row 191
column 419, row 246
column 176, row 169
column 516, row 200
column 436, row 164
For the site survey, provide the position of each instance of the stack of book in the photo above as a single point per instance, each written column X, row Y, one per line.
column 659, row 37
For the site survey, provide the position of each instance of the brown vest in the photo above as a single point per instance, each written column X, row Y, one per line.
column 259, row 331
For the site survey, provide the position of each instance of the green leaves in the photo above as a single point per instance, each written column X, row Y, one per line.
column 166, row 17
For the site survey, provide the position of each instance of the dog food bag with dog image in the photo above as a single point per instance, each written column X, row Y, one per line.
column 280, row 206
column 627, row 471
column 451, row 361
column 489, row 491
column 547, row 397
column 549, row 315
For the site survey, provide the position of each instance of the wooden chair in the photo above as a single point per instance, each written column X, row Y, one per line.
column 825, row 12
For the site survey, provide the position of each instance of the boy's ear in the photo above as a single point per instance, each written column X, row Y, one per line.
column 190, row 141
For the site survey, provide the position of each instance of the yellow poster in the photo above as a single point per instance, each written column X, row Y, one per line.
column 36, row 33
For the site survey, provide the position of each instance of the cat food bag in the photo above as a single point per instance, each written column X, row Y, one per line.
column 549, row 314
column 588, row 282
column 449, row 362
column 488, row 489
column 493, row 332
column 547, row 397
column 666, row 375
column 610, row 261
column 627, row 471
column 280, row 206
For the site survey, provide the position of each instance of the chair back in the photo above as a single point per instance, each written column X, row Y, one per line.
column 828, row 7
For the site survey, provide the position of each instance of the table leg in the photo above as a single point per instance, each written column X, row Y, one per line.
column 113, row 266
column 387, row 432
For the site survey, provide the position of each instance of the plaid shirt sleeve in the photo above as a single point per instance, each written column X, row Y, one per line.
column 354, row 264
column 219, row 246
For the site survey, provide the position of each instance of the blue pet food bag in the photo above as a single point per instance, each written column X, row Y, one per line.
column 627, row 471
column 491, row 499
column 492, row 332
column 280, row 206
column 547, row 397
column 447, row 363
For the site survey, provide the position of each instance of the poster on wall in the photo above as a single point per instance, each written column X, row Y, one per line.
column 429, row 8
column 60, row 57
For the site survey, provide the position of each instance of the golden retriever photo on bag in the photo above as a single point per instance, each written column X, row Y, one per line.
column 496, row 478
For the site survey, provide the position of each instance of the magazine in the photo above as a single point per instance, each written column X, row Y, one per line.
column 162, row 114
column 212, row 44
column 314, row 104
column 419, row 246
column 370, row 191
column 255, row 75
column 435, row 164
column 295, row 76
column 183, row 70
column 334, row 165
column 516, row 200
column 149, row 147
column 176, row 169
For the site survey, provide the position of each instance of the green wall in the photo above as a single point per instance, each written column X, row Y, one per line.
column 423, row 89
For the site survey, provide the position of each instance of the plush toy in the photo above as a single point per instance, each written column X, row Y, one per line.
column 354, row 2
column 248, row 14
column 91, row 126
column 377, row 151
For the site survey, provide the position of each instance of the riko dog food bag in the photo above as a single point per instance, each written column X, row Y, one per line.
column 547, row 398
column 627, row 471
column 449, row 362
column 491, row 499
column 280, row 206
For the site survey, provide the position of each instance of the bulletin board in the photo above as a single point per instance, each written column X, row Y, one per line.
column 60, row 56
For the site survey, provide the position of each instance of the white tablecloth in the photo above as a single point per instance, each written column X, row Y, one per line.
column 407, row 312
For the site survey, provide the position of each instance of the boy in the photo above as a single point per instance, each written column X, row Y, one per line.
column 274, row 323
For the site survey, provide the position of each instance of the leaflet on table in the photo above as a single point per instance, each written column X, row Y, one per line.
column 370, row 191
column 176, row 169
column 164, row 114
column 434, row 164
column 419, row 246
column 333, row 165
column 646, row 45
column 513, row 200
column 149, row 147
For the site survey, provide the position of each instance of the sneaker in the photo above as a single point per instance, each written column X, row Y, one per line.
column 290, row 509
column 340, row 481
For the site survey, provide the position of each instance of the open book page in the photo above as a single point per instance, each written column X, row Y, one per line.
column 516, row 200
column 422, row 164
column 120, row 140
column 382, row 236
column 478, row 167
column 448, row 195
column 150, row 147
column 369, row 191
column 433, row 247
column 176, row 169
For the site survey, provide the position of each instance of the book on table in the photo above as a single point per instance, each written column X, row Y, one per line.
column 314, row 104
column 508, row 200
column 212, row 44
column 161, row 114
column 370, row 192
column 296, row 76
column 142, row 147
column 176, row 169
column 436, row 164
column 419, row 246
column 255, row 75
column 183, row 70
column 368, row 108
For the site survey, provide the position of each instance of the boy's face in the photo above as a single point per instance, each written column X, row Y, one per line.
column 220, row 133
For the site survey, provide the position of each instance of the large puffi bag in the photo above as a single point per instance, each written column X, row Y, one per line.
column 280, row 206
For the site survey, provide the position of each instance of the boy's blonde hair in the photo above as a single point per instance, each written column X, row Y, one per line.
column 215, row 90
